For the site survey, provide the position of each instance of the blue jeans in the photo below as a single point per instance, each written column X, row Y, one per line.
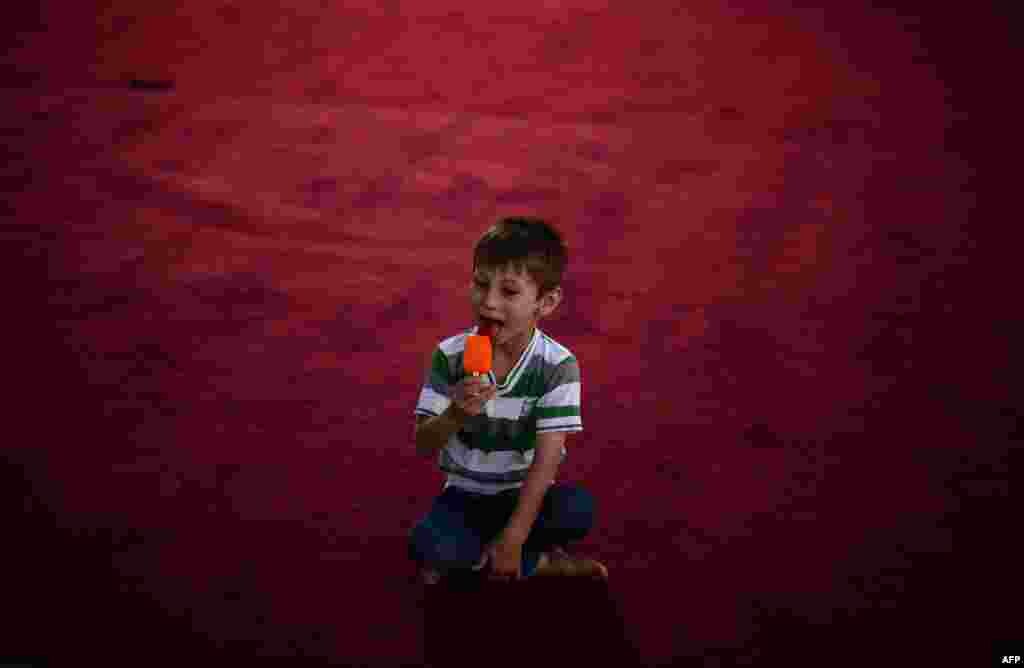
column 453, row 534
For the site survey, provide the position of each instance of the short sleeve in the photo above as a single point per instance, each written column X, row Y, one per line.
column 559, row 408
column 434, row 395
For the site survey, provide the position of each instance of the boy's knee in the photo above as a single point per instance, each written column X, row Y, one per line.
column 428, row 545
column 577, row 509
column 416, row 542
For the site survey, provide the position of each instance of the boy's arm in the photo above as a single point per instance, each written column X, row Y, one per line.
column 542, row 472
column 432, row 433
column 557, row 409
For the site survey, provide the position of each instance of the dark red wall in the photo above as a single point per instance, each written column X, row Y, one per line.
column 233, row 235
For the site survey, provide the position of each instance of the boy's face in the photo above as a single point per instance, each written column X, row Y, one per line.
column 509, row 297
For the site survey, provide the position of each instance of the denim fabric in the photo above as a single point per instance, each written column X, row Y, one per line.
column 453, row 534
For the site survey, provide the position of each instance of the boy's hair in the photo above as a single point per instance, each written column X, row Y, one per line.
column 532, row 244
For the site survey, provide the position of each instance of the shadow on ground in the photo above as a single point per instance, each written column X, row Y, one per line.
column 553, row 621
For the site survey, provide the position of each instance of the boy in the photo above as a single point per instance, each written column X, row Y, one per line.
column 501, row 438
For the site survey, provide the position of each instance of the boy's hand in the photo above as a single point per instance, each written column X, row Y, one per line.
column 505, row 554
column 471, row 393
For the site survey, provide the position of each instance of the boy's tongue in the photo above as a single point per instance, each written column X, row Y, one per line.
column 487, row 328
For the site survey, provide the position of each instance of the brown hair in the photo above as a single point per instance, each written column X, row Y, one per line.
column 532, row 244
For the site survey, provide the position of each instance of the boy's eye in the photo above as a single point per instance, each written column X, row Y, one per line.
column 483, row 284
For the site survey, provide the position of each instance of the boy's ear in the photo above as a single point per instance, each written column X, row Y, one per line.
column 549, row 302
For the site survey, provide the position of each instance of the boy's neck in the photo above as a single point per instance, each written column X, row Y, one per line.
column 513, row 355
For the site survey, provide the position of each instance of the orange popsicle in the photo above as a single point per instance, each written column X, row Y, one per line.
column 478, row 355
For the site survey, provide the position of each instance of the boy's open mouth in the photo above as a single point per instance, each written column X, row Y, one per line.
column 488, row 327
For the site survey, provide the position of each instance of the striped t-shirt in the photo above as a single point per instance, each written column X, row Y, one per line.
column 493, row 451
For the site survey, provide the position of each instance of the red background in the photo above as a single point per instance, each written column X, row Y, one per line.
column 225, row 282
